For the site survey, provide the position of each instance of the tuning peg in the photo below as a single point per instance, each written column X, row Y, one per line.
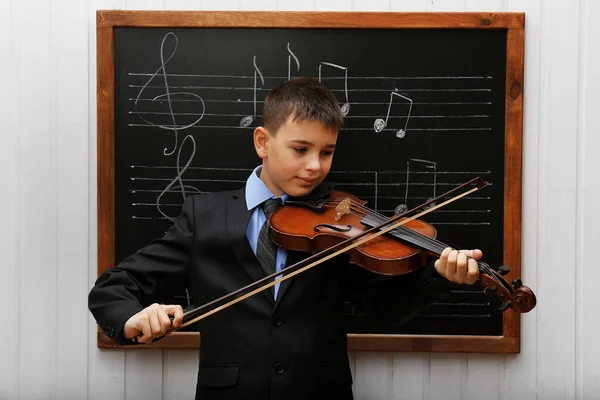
column 504, row 306
column 516, row 283
column 503, row 270
column 489, row 292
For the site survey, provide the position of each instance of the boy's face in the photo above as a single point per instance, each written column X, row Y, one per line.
column 297, row 158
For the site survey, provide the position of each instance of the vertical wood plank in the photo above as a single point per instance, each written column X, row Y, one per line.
column 485, row 5
column 333, row 5
column 180, row 371
column 144, row 4
column 588, row 189
column 295, row 5
column 408, row 5
column 410, row 371
column 183, row 4
column 374, row 380
column 445, row 377
column 37, row 196
column 557, row 200
column 106, row 368
column 9, row 202
column 370, row 5
column 143, row 374
column 521, row 370
column 445, row 5
column 482, row 377
column 69, row 58
column 223, row 5
column 258, row 5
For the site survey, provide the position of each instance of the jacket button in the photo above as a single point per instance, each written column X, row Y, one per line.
column 279, row 368
column 277, row 321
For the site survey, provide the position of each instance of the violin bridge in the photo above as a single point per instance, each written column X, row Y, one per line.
column 342, row 209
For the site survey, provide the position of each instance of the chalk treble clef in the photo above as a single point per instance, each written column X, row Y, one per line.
column 180, row 172
column 168, row 95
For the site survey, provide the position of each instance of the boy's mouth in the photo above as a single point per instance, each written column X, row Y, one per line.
column 306, row 181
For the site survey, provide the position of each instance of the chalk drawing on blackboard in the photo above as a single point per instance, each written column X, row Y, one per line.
column 290, row 62
column 403, row 207
column 168, row 95
column 382, row 189
column 247, row 120
column 346, row 105
column 178, row 178
column 380, row 124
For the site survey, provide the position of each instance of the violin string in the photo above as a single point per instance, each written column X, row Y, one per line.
column 437, row 245
column 418, row 237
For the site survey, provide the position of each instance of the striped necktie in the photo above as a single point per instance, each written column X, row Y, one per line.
column 266, row 250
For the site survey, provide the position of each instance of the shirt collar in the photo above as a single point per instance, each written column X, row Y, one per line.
column 256, row 190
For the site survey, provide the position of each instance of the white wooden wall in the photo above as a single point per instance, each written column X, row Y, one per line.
column 48, row 227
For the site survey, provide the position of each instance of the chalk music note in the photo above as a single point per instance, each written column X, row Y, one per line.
column 401, row 208
column 290, row 62
column 168, row 95
column 247, row 120
column 178, row 178
column 346, row 106
column 380, row 124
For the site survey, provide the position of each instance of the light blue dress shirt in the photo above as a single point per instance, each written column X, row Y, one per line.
column 256, row 193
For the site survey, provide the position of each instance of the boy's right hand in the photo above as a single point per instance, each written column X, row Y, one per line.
column 153, row 321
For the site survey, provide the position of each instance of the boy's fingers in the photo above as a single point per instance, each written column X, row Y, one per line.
column 441, row 264
column 461, row 267
column 154, row 324
column 145, row 329
column 165, row 322
column 451, row 265
column 473, row 272
column 176, row 312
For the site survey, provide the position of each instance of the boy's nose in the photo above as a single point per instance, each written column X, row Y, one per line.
column 313, row 165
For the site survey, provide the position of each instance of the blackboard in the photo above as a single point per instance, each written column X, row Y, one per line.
column 427, row 108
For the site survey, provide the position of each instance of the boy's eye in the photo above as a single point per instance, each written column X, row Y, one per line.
column 300, row 149
column 327, row 153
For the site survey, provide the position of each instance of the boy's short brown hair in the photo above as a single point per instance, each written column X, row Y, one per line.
column 304, row 99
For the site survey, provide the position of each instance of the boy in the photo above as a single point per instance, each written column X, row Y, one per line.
column 287, row 343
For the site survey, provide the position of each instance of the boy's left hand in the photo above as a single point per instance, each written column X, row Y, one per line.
column 454, row 265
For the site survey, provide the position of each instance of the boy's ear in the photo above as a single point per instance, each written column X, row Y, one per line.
column 261, row 140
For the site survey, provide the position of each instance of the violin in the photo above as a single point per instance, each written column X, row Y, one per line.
column 318, row 224
column 330, row 222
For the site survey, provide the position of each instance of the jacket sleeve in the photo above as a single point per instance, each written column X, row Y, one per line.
column 156, row 270
column 395, row 300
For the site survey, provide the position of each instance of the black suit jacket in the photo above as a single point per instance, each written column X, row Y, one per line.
column 291, row 348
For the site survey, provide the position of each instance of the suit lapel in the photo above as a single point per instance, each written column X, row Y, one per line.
column 238, row 217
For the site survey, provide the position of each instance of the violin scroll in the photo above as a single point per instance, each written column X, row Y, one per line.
column 517, row 297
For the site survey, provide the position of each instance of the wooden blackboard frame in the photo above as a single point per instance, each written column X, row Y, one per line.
column 512, row 23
